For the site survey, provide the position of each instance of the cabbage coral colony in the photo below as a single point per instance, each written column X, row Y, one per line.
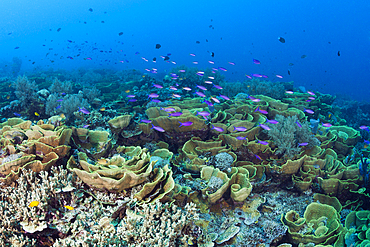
column 179, row 162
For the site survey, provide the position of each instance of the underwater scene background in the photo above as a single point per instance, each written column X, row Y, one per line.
column 192, row 123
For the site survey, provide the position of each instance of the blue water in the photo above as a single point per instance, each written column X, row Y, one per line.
column 242, row 31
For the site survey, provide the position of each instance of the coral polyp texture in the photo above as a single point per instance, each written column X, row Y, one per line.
column 180, row 161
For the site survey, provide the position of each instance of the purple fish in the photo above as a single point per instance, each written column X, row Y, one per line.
column 221, row 68
column 309, row 111
column 200, row 94
column 240, row 128
column 263, row 142
column 311, row 98
column 153, row 95
column 272, row 121
column 145, row 121
column 256, row 75
column 157, row 86
column 253, row 99
column 298, row 124
column 132, row 100
column 208, row 103
column 17, row 114
column 363, row 127
column 86, row 126
column 203, row 113
column 217, row 86
column 219, row 129
column 261, row 111
column 265, row 127
column 327, row 125
column 257, row 157
column 176, row 95
column 176, row 114
column 59, row 106
column 59, row 100
column 130, row 96
column 185, row 123
column 83, row 110
column 289, row 92
column 224, row 97
column 256, row 61
column 202, row 88
column 303, row 144
column 160, row 129
column 173, row 88
column 155, row 100
column 311, row 93
column 241, row 138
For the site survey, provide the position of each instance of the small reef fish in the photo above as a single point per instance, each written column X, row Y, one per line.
column 34, row 204
column 363, row 127
column 86, row 126
column 203, row 113
column 157, row 86
column 265, row 127
column 311, row 93
column 155, row 100
column 279, row 76
column 217, row 86
column 69, row 207
column 59, row 100
column 200, row 94
column 240, row 128
column 132, row 100
column 303, row 144
column 298, row 124
column 219, row 129
column 289, row 92
column 187, row 88
column 185, row 123
column 258, row 157
column 328, row 125
column 261, row 111
column 153, row 95
column 281, row 39
column 224, row 97
column 16, row 114
column 253, row 99
column 83, row 110
column 272, row 121
column 174, row 95
column 262, row 142
column 202, row 88
column 157, row 128
column 145, row 121
column 309, row 111
column 176, row 114
column 222, row 69
column 208, row 82
column 255, row 61
column 208, row 102
column 102, row 109
column 102, row 161
column 173, row 88
column 215, row 99
column 241, row 138
column 168, row 109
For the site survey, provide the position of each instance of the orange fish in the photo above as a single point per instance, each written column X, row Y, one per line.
column 34, row 204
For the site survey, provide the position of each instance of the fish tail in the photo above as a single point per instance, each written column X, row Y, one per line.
column 180, row 124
